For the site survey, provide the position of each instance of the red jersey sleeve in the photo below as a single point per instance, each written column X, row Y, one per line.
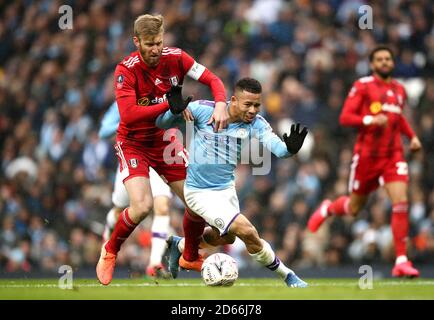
column 405, row 128
column 126, row 99
column 351, row 115
column 202, row 74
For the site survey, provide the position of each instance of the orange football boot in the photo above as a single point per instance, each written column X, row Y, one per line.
column 195, row 265
column 105, row 266
column 405, row 269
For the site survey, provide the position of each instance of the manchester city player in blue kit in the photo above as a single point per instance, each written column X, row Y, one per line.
column 210, row 185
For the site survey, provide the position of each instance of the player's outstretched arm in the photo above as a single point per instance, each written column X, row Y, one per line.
column 168, row 120
column 199, row 111
column 220, row 116
column 282, row 149
column 200, row 73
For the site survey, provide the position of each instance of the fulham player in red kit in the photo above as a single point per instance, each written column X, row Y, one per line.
column 375, row 106
column 147, row 83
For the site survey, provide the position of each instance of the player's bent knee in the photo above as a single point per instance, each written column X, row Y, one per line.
column 161, row 206
column 161, row 210
column 354, row 209
column 228, row 238
column 141, row 209
column 402, row 199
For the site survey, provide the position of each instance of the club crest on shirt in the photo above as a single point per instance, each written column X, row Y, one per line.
column 219, row 223
column 174, row 80
column 133, row 163
column 120, row 81
column 242, row 133
column 375, row 107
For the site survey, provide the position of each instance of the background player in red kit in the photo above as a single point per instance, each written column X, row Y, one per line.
column 142, row 81
column 375, row 105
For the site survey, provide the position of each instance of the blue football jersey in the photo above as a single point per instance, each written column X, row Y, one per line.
column 213, row 156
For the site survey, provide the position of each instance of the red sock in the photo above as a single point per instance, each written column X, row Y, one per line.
column 193, row 230
column 339, row 207
column 399, row 226
column 123, row 228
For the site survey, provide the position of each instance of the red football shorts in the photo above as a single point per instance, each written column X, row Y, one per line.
column 367, row 173
column 168, row 158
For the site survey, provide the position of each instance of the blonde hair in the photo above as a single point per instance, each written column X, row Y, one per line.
column 148, row 25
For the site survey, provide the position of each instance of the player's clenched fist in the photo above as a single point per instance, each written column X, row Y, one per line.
column 177, row 103
column 295, row 139
column 415, row 144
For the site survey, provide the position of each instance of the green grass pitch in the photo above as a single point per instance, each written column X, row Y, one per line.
column 194, row 289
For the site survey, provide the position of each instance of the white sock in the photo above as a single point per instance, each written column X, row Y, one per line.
column 324, row 211
column 401, row 259
column 181, row 245
column 111, row 219
column 268, row 259
column 160, row 228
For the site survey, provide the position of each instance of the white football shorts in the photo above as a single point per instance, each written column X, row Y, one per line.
column 120, row 195
column 158, row 186
column 218, row 208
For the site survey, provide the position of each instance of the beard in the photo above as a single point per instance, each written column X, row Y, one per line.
column 384, row 74
column 151, row 61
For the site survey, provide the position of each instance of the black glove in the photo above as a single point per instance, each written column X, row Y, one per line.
column 177, row 104
column 295, row 139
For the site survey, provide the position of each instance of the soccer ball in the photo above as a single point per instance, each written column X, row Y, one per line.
column 219, row 269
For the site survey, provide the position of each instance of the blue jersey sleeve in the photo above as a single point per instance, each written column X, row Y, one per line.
column 200, row 109
column 110, row 122
column 169, row 120
column 264, row 133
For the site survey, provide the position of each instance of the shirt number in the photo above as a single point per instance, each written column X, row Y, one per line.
column 402, row 168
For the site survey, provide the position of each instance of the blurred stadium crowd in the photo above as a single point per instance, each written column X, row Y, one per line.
column 56, row 175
